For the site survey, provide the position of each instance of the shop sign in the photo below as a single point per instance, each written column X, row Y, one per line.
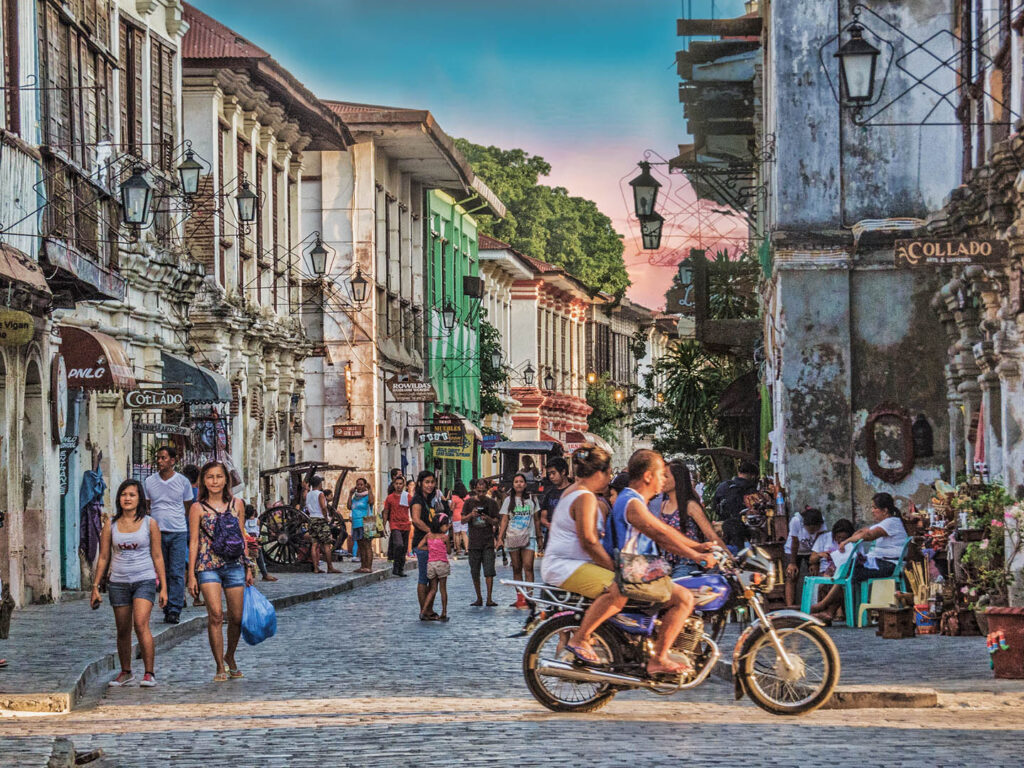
column 167, row 399
column 680, row 299
column 411, row 389
column 58, row 398
column 490, row 441
column 433, row 437
column 349, row 431
column 451, row 426
column 67, row 447
column 939, row 253
column 461, row 452
column 16, row 328
column 161, row 429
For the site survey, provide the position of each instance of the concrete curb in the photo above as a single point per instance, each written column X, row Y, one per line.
column 65, row 700
column 62, row 755
column 863, row 696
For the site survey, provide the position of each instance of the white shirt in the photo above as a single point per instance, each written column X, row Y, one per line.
column 564, row 553
column 313, row 503
column 167, row 501
column 804, row 537
column 890, row 546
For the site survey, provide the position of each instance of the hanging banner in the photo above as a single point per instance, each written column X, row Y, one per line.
column 461, row 452
column 161, row 429
column 940, row 252
column 58, row 398
column 451, row 426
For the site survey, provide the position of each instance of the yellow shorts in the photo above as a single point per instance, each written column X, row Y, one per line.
column 589, row 580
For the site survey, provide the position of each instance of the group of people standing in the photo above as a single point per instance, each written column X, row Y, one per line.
column 165, row 536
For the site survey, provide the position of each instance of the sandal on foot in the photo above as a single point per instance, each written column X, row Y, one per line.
column 235, row 674
column 3, row 663
column 220, row 677
column 442, row 618
column 669, row 668
column 428, row 617
column 583, row 653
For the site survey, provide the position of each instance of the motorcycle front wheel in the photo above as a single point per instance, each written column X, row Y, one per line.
column 559, row 694
column 803, row 685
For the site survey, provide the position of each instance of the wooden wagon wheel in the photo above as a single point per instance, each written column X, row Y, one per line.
column 284, row 532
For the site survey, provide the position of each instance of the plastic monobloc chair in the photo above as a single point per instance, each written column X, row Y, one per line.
column 897, row 575
column 883, row 595
column 843, row 578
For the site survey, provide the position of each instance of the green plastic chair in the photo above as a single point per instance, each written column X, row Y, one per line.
column 897, row 575
column 842, row 578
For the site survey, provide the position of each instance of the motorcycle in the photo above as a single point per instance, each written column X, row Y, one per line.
column 783, row 661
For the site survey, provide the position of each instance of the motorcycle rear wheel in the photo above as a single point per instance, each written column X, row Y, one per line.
column 790, row 691
column 559, row 694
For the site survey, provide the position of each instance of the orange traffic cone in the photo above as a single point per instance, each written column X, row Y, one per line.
column 521, row 601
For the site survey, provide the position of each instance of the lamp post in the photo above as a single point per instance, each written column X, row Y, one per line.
column 528, row 373
column 318, row 257
column 549, row 381
column 136, row 198
column 645, row 190
column 858, row 60
column 188, row 173
column 360, row 286
column 448, row 315
column 650, row 231
column 246, row 201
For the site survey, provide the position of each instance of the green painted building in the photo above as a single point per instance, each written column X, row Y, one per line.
column 453, row 360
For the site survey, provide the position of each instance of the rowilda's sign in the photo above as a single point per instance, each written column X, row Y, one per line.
column 165, row 399
column 941, row 253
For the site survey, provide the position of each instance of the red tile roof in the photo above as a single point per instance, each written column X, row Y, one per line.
column 488, row 243
column 207, row 38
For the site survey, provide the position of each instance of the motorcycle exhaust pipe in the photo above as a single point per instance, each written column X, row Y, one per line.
column 567, row 671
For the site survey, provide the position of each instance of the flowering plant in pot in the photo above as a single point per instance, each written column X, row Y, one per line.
column 988, row 562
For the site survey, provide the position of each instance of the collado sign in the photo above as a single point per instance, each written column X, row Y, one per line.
column 16, row 328
column 940, row 253
column 166, row 399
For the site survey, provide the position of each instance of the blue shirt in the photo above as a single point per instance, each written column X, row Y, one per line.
column 617, row 529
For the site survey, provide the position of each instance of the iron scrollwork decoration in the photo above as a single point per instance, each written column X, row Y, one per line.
column 882, row 416
column 935, row 62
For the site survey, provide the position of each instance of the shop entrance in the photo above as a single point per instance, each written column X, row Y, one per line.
column 5, row 470
column 34, row 433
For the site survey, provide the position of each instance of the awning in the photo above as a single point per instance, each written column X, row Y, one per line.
column 549, row 438
column 95, row 360
column 20, row 271
column 198, row 384
column 524, row 446
column 740, row 398
column 575, row 439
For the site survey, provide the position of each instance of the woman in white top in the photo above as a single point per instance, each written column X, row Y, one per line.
column 519, row 531
column 574, row 558
column 889, row 536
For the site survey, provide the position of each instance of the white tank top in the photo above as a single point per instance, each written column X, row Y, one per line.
column 313, row 503
column 564, row 553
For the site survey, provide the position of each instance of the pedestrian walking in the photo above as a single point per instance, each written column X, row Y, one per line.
column 519, row 532
column 557, row 473
column 460, row 538
column 426, row 505
column 320, row 535
column 170, row 496
column 482, row 519
column 436, row 545
column 218, row 565
column 360, row 502
column 130, row 545
column 252, row 539
column 396, row 515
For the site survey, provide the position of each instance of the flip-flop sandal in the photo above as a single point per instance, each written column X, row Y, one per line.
column 582, row 653
column 428, row 617
column 679, row 669
column 220, row 677
column 3, row 663
column 235, row 674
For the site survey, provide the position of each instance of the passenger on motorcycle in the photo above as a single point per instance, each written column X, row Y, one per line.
column 647, row 475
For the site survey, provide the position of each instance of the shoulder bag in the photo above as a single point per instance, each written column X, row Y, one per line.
column 644, row 578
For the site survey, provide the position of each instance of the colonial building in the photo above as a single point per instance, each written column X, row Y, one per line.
column 547, row 357
column 250, row 122
column 386, row 219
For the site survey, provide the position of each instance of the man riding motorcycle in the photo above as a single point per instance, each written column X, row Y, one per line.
column 647, row 474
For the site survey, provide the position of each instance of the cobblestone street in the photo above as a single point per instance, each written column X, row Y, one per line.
column 357, row 680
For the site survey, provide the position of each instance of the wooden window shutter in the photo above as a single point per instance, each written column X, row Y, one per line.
column 12, row 68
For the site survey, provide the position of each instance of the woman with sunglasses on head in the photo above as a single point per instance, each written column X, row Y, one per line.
column 130, row 544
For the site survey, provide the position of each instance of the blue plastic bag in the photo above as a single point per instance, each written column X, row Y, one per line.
column 259, row 619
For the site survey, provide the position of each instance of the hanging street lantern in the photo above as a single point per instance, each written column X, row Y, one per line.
column 619, row 395
column 591, row 377
column 496, row 359
column 360, row 286
column 136, row 198
column 650, row 231
column 528, row 375
column 246, row 200
column 448, row 316
column 318, row 257
column 858, row 60
column 549, row 381
column 188, row 172
column 645, row 190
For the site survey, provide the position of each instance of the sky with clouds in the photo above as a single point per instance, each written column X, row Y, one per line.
column 590, row 85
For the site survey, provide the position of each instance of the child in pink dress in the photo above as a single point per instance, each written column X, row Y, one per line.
column 438, row 569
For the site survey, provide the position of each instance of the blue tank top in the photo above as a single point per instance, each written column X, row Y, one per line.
column 617, row 529
column 360, row 509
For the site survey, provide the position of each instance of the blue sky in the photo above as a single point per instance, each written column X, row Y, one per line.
column 588, row 84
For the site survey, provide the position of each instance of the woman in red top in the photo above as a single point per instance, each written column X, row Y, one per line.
column 396, row 515
column 460, row 537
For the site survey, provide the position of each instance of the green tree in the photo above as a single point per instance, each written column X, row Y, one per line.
column 607, row 413
column 492, row 380
column 547, row 222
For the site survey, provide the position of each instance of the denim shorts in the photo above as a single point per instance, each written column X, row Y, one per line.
column 357, row 533
column 122, row 593
column 422, row 558
column 228, row 576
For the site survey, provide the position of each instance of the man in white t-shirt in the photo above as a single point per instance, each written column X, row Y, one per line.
column 170, row 495
column 804, row 530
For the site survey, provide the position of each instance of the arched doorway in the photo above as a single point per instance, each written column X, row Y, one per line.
column 34, row 435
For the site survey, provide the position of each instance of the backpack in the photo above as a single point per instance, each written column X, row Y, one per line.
column 226, row 541
column 730, row 510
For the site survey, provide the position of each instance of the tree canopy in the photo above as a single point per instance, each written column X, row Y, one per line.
column 547, row 222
